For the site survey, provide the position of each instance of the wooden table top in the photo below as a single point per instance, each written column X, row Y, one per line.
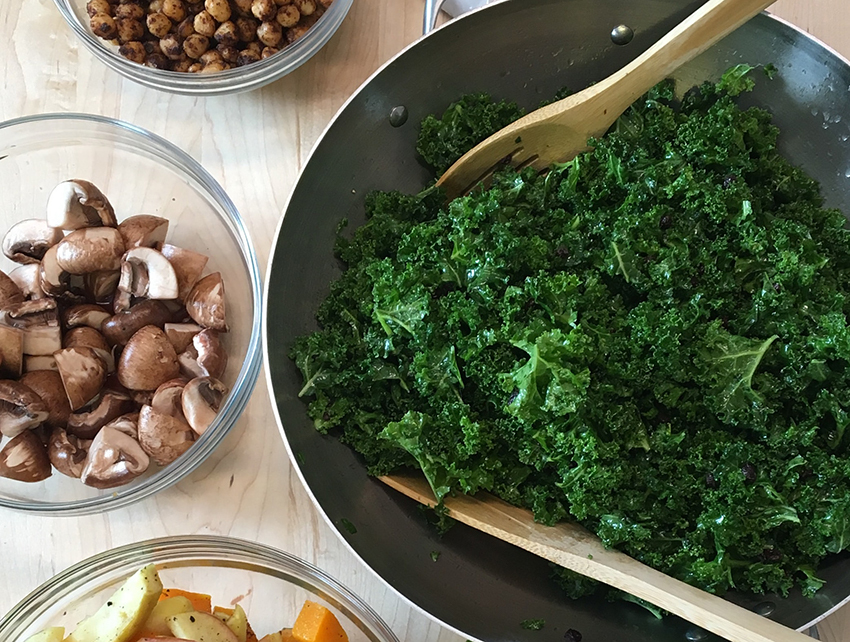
column 43, row 68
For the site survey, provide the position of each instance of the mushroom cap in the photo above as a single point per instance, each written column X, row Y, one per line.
column 28, row 240
column 143, row 230
column 147, row 273
column 86, row 314
column 67, row 453
column 91, row 249
column 212, row 357
column 47, row 384
column 181, row 334
column 100, row 286
column 20, row 408
column 127, row 423
column 148, row 360
column 76, row 204
column 162, row 436
column 205, row 303
column 201, row 400
column 52, row 279
column 83, row 374
column 27, row 278
column 10, row 293
column 168, row 399
column 187, row 264
column 11, row 352
column 30, row 314
column 121, row 326
column 25, row 459
column 114, row 459
column 109, row 407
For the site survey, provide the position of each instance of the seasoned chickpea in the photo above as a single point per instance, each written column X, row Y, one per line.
column 204, row 24
column 152, row 47
column 134, row 51
column 210, row 56
column 158, row 24
column 268, row 52
column 104, row 26
column 185, row 29
column 228, row 53
column 243, row 7
column 218, row 9
column 270, row 34
column 195, row 45
column 326, row 3
column 195, row 68
column 253, row 47
column 172, row 47
column 174, row 9
column 226, row 34
column 296, row 32
column 280, row 3
column 194, row 8
column 288, row 16
column 182, row 64
column 214, row 67
column 306, row 7
column 246, row 58
column 155, row 6
column 246, row 28
column 264, row 10
column 94, row 7
column 156, row 61
column 129, row 12
column 129, row 29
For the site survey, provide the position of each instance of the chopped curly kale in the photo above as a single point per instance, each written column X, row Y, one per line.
column 650, row 339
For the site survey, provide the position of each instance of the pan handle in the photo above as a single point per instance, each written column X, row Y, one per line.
column 432, row 10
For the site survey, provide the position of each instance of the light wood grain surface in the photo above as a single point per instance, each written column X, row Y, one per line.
column 254, row 145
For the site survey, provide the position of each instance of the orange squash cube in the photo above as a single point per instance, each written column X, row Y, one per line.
column 200, row 602
column 315, row 623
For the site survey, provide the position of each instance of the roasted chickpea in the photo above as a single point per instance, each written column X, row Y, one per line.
column 134, row 51
column 195, row 68
column 228, row 53
column 288, row 16
column 264, row 10
column 182, row 64
column 195, row 45
column 152, row 47
column 214, row 67
column 185, row 29
column 280, row 3
column 226, row 34
column 174, row 9
column 204, row 24
column 210, row 56
column 94, row 7
column 129, row 29
column 306, row 7
column 129, row 12
column 194, row 8
column 296, row 32
column 155, row 6
column 326, row 3
column 156, row 61
column 268, row 52
column 158, row 24
column 270, row 33
column 253, row 47
column 104, row 26
column 246, row 28
column 246, row 58
column 218, row 9
column 172, row 47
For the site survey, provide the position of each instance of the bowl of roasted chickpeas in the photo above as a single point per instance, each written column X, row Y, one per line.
column 204, row 47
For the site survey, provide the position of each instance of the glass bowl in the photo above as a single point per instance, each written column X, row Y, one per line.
column 140, row 173
column 270, row 585
column 231, row 81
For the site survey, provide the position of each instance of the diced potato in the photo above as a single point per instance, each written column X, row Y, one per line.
column 124, row 614
column 315, row 623
column 53, row 634
column 200, row 627
column 200, row 601
column 238, row 623
column 156, row 624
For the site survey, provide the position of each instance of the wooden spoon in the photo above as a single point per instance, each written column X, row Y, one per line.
column 573, row 547
column 558, row 132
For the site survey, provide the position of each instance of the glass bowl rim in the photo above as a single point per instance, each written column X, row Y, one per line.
column 248, row 375
column 161, row 550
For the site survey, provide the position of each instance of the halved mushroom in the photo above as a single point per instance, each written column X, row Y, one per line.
column 147, row 273
column 148, row 360
column 206, row 356
column 76, row 204
column 52, row 279
column 34, row 362
column 128, row 424
column 110, row 406
column 188, row 266
column 162, row 436
column 83, row 374
column 42, row 340
column 143, row 230
column 39, row 319
column 20, row 408
column 11, row 351
column 28, row 240
column 27, row 278
column 202, row 399
column 92, row 249
column 91, row 338
column 205, row 303
column 47, row 384
column 114, row 459
column 120, row 327
column 67, row 453
column 121, row 301
column 10, row 293
column 167, row 399
column 25, row 459
column 181, row 334
column 87, row 314
column 100, row 286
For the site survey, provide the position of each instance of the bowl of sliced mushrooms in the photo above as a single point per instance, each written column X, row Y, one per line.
column 129, row 307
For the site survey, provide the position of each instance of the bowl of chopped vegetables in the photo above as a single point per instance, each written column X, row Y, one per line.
column 193, row 588
column 647, row 340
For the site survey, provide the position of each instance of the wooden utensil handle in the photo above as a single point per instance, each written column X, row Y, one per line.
column 573, row 547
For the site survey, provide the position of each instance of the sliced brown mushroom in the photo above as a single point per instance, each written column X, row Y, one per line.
column 100, row 286
column 202, row 399
column 205, row 303
column 206, row 357
column 120, row 327
column 90, row 338
column 167, row 399
column 92, row 249
column 27, row 278
column 28, row 240
column 20, row 408
column 87, row 314
column 11, row 351
column 114, row 459
column 83, row 374
column 10, row 293
column 128, row 424
column 148, row 360
column 52, row 279
column 47, row 384
column 143, row 230
column 162, row 436
column 188, row 266
column 39, row 319
column 25, row 459
column 181, row 334
column 147, row 273
column 42, row 340
column 121, row 301
column 110, row 406
column 76, row 204
column 34, row 362
column 67, row 453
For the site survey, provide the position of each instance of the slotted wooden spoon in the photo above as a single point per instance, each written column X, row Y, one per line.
column 573, row 547
column 558, row 132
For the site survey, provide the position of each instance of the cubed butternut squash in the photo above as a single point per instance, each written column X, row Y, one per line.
column 200, row 601
column 315, row 623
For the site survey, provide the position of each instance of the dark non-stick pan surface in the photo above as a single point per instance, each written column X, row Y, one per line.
column 523, row 50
